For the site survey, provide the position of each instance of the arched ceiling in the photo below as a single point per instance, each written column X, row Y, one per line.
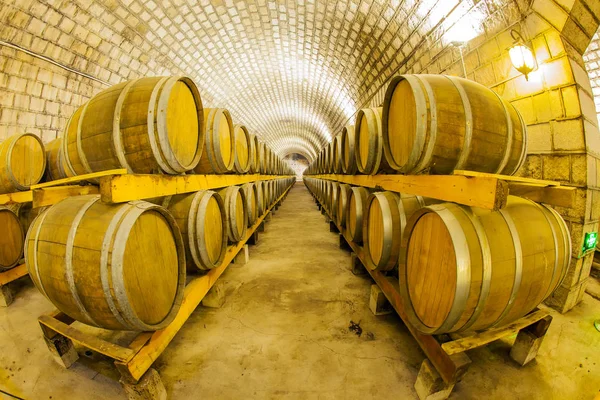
column 294, row 72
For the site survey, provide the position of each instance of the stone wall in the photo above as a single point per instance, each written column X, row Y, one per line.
column 592, row 65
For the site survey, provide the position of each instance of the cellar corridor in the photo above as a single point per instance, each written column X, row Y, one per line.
column 283, row 332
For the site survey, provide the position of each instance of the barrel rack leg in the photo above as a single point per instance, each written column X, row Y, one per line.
column 149, row 387
column 529, row 340
column 243, row 256
column 378, row 303
column 6, row 296
column 61, row 347
column 253, row 239
column 356, row 265
column 430, row 385
column 215, row 298
column 344, row 244
column 333, row 227
column 261, row 227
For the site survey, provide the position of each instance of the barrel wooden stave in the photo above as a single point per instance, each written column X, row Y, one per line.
column 234, row 200
column 252, row 209
column 355, row 212
column 242, row 153
column 54, row 160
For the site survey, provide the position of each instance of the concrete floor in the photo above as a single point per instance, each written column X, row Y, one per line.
column 283, row 333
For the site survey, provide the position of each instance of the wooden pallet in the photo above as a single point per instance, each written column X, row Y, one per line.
column 6, row 277
column 134, row 360
column 476, row 189
column 446, row 359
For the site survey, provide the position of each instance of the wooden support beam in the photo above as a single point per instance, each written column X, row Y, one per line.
column 79, row 178
column 51, row 195
column 563, row 196
column 481, row 339
column 16, row 197
column 13, row 274
column 485, row 192
column 122, row 188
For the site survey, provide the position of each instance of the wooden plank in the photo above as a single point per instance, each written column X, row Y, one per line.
column 13, row 274
column 133, row 369
column 563, row 196
column 16, row 197
column 490, row 335
column 484, row 192
column 508, row 178
column 52, row 195
column 79, row 178
column 119, row 189
column 89, row 341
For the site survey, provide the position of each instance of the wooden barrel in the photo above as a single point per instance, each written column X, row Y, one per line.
column 260, row 198
column 235, row 210
column 202, row 221
column 337, row 154
column 348, row 150
column 356, row 209
column 486, row 268
column 333, row 200
column 342, row 203
column 369, row 155
column 115, row 266
column 242, row 156
column 254, row 161
column 383, row 225
column 22, row 162
column 11, row 239
column 440, row 123
column 54, row 160
column 146, row 125
column 251, row 194
column 219, row 155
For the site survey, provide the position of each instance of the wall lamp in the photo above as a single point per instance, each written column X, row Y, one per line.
column 521, row 56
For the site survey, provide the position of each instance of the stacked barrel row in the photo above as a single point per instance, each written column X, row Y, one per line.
column 431, row 124
column 124, row 266
column 459, row 268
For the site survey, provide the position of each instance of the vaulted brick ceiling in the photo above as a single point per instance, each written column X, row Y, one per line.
column 294, row 72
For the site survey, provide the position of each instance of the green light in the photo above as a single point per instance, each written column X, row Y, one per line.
column 589, row 242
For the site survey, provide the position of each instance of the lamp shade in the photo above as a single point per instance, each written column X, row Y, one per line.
column 522, row 59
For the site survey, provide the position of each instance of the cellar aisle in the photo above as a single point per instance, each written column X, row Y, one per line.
column 284, row 333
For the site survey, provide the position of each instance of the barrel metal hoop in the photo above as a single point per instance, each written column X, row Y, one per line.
column 463, row 266
column 466, row 150
column 509, row 135
column 116, row 133
column 69, row 272
column 421, row 104
column 36, row 268
column 524, row 147
column 161, row 125
column 65, row 146
column 567, row 243
column 518, row 266
column 151, row 128
column 105, row 276
column 219, row 161
column 487, row 266
column 544, row 211
column 193, row 220
column 432, row 132
column 80, row 152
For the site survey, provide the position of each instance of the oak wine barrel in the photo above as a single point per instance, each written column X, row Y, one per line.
column 348, row 150
column 219, row 153
column 369, row 155
column 355, row 210
column 235, row 210
column 438, row 123
column 337, row 157
column 383, row 225
column 11, row 239
column 201, row 219
column 145, row 125
column 251, row 194
column 242, row 156
column 55, row 168
column 486, row 268
column 22, row 162
column 114, row 266
column 254, row 161
column 342, row 203
column 261, row 203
